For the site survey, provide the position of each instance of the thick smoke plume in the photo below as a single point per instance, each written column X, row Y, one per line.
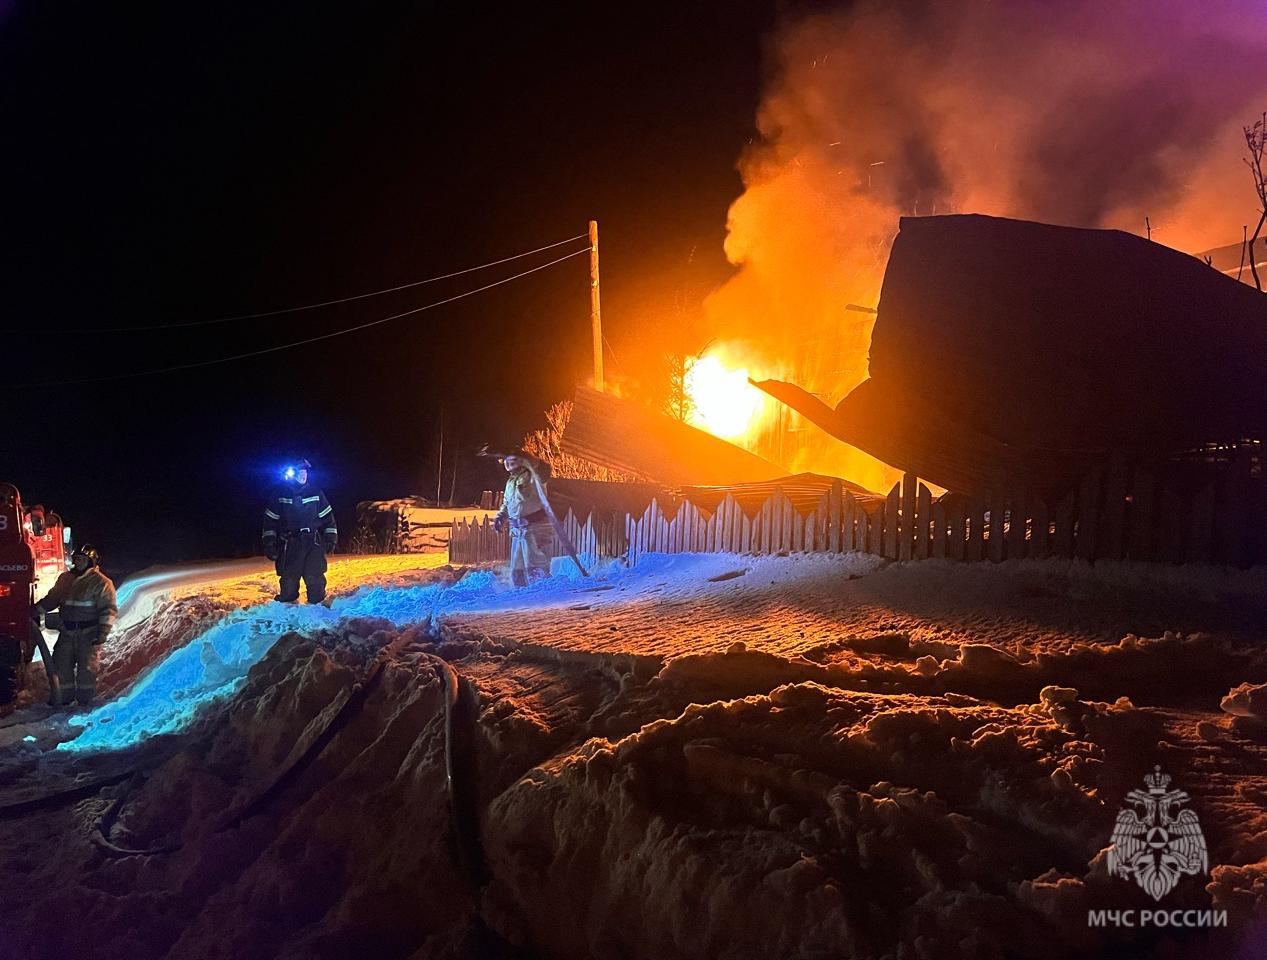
column 1076, row 112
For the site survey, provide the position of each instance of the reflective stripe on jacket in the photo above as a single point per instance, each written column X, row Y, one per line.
column 291, row 509
column 87, row 597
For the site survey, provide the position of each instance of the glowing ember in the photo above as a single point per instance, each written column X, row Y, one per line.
column 723, row 401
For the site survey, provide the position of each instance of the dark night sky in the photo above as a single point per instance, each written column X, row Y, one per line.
column 167, row 163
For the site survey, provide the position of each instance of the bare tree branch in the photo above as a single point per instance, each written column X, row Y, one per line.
column 1256, row 141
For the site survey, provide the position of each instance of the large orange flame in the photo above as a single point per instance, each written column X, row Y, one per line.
column 722, row 401
column 852, row 137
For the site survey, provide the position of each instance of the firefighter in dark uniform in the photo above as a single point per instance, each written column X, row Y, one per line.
column 86, row 598
column 299, row 530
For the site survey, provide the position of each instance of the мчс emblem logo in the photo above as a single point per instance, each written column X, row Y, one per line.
column 1154, row 842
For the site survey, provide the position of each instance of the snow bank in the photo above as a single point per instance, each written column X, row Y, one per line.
column 352, row 859
column 213, row 665
column 1247, row 700
column 807, row 822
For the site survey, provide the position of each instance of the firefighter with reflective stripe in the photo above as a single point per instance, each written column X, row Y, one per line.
column 299, row 530
column 531, row 534
column 86, row 600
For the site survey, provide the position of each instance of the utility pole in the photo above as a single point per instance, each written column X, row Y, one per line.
column 440, row 457
column 454, row 484
column 596, row 318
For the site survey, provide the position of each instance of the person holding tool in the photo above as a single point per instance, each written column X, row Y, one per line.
column 523, row 511
column 86, row 598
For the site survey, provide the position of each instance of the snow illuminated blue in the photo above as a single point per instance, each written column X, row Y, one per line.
column 214, row 665
column 123, row 595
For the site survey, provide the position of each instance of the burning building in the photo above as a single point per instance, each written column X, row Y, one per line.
column 1009, row 353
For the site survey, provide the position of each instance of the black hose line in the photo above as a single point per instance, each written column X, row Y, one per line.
column 23, row 721
column 460, row 714
column 461, row 710
column 354, row 699
column 58, row 798
column 100, row 836
column 351, row 706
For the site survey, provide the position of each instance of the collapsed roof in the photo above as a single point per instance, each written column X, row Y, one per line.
column 803, row 490
column 635, row 440
column 605, row 498
column 1009, row 352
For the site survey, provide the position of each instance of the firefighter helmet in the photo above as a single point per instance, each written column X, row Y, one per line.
column 89, row 553
column 292, row 470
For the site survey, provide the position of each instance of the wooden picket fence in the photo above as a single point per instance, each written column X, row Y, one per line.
column 475, row 541
column 1116, row 513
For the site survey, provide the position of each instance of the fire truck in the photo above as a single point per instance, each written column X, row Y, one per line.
column 34, row 549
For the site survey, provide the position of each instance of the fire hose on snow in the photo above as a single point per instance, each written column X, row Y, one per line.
column 352, row 700
column 459, row 718
column 46, row 658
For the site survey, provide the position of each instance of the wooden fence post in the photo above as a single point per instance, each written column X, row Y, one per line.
column 1016, row 526
column 835, row 542
column 767, row 512
column 906, row 518
column 875, row 530
column 889, row 526
column 956, row 537
column 1114, row 510
column 1086, row 539
column 923, row 514
column 1040, row 530
column 974, row 546
column 848, row 540
column 995, row 505
column 938, row 548
column 792, row 529
column 1066, row 511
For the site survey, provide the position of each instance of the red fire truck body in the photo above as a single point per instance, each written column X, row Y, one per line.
column 49, row 540
column 33, row 552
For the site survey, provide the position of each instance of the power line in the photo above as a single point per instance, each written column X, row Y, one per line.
column 298, row 343
column 323, row 303
column 612, row 351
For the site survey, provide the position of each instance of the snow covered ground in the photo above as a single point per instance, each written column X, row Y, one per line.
column 703, row 756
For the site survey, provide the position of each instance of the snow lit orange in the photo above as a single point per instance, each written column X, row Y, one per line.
column 723, row 401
